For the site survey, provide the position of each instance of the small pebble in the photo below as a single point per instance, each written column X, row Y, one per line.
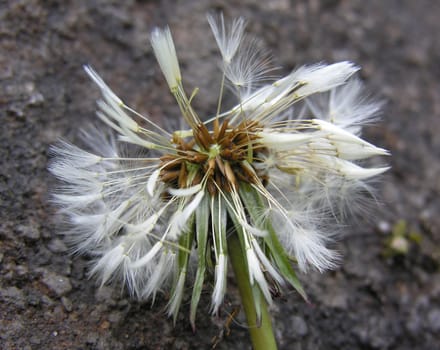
column 58, row 284
column 299, row 326
column 67, row 304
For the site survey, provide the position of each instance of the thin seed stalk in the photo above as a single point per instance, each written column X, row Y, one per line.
column 260, row 331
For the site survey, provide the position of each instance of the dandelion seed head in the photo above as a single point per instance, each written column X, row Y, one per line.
column 150, row 205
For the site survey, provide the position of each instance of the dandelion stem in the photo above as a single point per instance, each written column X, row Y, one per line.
column 260, row 331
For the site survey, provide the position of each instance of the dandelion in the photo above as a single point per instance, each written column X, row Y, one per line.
column 252, row 186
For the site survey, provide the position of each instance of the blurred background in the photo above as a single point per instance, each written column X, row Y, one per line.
column 385, row 294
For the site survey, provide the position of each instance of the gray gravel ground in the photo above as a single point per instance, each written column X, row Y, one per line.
column 376, row 300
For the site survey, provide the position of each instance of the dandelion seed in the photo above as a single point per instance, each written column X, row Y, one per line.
column 228, row 41
column 258, row 170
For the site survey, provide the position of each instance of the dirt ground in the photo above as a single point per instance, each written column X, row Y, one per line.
column 385, row 294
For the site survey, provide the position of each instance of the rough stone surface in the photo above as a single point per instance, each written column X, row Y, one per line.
column 372, row 301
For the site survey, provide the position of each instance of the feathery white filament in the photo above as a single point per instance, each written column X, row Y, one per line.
column 152, row 181
column 248, row 68
column 228, row 41
column 345, row 106
column 166, row 56
column 109, row 263
column 147, row 257
column 220, row 282
column 255, row 274
column 177, row 295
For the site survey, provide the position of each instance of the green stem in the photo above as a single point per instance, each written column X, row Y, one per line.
column 261, row 333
